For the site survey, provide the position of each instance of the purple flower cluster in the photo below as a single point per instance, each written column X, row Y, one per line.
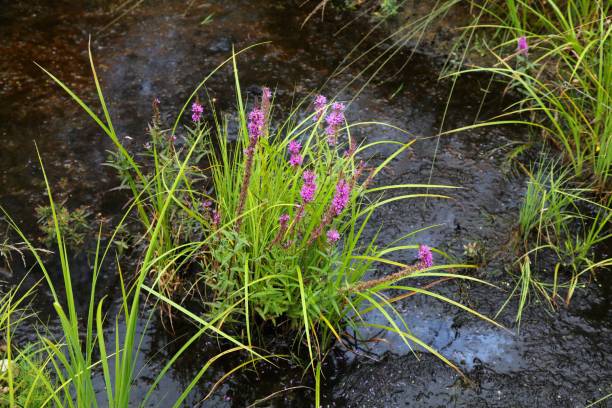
column 283, row 220
column 196, row 112
column 310, row 187
column 216, row 218
column 340, row 200
column 256, row 124
column 319, row 106
column 296, row 158
column 523, row 47
column 425, row 257
column 333, row 236
column 334, row 120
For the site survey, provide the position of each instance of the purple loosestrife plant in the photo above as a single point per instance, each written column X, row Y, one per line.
column 196, row 112
column 319, row 106
column 522, row 46
column 334, row 120
column 341, row 198
column 255, row 127
column 309, row 188
column 333, row 236
column 425, row 257
column 296, row 158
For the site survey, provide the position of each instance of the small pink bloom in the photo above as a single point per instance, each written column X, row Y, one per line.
column 294, row 147
column 523, row 47
column 333, row 236
column 319, row 106
column 425, row 256
column 196, row 111
column 296, row 160
column 284, row 219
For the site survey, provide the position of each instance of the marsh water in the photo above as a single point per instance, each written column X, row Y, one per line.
column 163, row 49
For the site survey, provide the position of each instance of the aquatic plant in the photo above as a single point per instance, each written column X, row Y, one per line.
column 555, row 60
column 565, row 84
column 75, row 224
column 562, row 221
column 24, row 376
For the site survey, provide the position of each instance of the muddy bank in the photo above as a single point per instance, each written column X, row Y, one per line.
column 163, row 50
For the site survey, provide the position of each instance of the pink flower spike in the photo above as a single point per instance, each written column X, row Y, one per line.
column 523, row 47
column 319, row 106
column 266, row 94
column 309, row 176
column 284, row 219
column 341, row 199
column 256, row 124
column 296, row 160
column 333, row 236
column 294, row 147
column 308, row 192
column 196, row 111
column 334, row 120
column 425, row 257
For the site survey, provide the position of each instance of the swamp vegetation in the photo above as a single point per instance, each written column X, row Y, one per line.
column 321, row 209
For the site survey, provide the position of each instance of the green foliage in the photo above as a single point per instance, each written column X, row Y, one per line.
column 389, row 7
column 75, row 224
column 382, row 8
column 560, row 220
column 24, row 378
column 564, row 86
column 30, row 385
column 564, row 81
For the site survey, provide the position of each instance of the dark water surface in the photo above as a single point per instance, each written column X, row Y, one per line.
column 163, row 50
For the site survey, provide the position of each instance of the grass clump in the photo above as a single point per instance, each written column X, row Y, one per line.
column 560, row 224
column 25, row 379
column 554, row 57
column 283, row 221
column 29, row 384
